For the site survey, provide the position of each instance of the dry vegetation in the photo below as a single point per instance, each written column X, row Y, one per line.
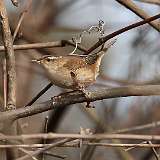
column 38, row 123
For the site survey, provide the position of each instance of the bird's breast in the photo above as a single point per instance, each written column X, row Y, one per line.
column 63, row 78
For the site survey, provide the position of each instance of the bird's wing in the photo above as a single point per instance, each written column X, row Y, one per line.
column 74, row 64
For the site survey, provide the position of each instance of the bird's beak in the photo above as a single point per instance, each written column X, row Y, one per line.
column 36, row 60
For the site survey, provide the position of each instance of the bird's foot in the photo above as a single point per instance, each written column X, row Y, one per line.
column 87, row 96
column 88, row 105
column 85, row 92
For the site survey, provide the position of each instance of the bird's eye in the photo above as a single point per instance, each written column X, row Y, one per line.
column 48, row 60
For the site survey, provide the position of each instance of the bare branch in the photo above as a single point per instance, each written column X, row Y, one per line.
column 122, row 30
column 44, row 45
column 139, row 12
column 35, row 153
column 154, row 151
column 71, row 136
column 55, row 155
column 79, row 97
column 28, row 153
column 76, row 144
column 139, row 127
column 157, row 2
column 10, row 58
column 5, row 83
column 39, row 94
column 69, row 42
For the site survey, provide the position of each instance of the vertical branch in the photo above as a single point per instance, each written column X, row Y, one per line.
column 10, row 58
column 5, row 83
column 28, row 4
column 10, row 74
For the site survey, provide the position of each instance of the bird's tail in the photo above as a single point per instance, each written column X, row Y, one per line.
column 105, row 48
column 93, row 57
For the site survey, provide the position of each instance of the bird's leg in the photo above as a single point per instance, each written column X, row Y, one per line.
column 81, row 88
column 87, row 95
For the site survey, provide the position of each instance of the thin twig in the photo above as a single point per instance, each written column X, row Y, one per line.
column 139, row 12
column 157, row 2
column 39, row 94
column 102, row 127
column 69, row 42
column 61, row 43
column 76, row 145
column 100, row 136
column 21, row 18
column 14, row 143
column 5, row 83
column 35, row 45
column 45, row 131
column 55, row 155
column 154, row 151
column 122, row 145
column 28, row 153
column 135, row 146
column 122, row 30
column 35, row 153
column 139, row 127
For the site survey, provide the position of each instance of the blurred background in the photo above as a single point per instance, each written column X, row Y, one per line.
column 133, row 59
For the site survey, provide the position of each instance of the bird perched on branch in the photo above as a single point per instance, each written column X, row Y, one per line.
column 73, row 71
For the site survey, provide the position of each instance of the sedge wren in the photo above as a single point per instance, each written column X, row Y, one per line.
column 73, row 71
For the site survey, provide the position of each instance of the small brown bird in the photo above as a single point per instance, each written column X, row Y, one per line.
column 73, row 71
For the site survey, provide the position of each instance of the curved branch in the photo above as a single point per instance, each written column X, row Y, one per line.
column 74, row 97
column 120, row 31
